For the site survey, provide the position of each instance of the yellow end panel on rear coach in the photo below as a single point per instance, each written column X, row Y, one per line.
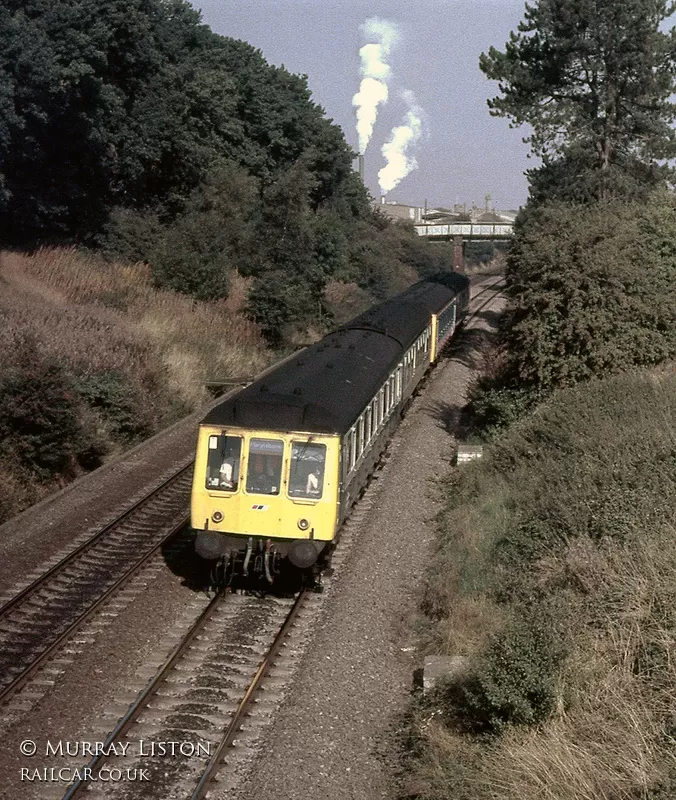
column 256, row 490
column 433, row 343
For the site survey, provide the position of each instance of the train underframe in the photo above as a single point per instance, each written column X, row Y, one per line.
column 262, row 561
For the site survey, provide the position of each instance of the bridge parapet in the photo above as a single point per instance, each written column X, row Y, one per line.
column 467, row 230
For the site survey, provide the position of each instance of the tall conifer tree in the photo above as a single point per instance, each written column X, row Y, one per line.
column 593, row 79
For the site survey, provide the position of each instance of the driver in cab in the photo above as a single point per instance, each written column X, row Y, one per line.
column 261, row 477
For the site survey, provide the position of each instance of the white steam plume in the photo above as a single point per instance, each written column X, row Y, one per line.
column 403, row 137
column 375, row 74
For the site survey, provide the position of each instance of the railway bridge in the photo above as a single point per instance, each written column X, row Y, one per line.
column 459, row 233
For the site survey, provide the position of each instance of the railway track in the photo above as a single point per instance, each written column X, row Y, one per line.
column 199, row 697
column 485, row 286
column 39, row 620
column 209, row 682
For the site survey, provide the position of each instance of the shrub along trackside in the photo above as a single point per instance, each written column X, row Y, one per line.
column 591, row 293
column 556, row 578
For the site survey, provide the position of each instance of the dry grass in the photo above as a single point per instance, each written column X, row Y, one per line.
column 612, row 740
column 103, row 320
column 599, row 461
column 100, row 317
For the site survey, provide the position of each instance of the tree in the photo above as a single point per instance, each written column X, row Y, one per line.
column 593, row 291
column 594, row 80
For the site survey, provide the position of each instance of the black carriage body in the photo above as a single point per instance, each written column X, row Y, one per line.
column 325, row 388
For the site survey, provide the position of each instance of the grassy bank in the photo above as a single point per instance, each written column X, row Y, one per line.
column 93, row 359
column 555, row 579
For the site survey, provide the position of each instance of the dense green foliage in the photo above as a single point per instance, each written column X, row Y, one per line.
column 594, row 291
column 130, row 126
column 39, row 420
column 555, row 579
column 594, row 81
column 134, row 103
column 515, row 679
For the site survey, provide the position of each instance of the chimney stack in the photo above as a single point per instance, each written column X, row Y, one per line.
column 382, row 199
column 361, row 167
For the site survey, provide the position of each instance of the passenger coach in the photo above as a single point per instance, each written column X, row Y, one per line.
column 280, row 464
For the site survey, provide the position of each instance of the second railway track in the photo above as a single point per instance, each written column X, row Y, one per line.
column 39, row 619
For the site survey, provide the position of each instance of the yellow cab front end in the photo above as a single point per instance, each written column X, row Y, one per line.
column 259, row 497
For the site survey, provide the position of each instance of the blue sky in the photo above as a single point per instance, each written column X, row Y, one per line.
column 464, row 153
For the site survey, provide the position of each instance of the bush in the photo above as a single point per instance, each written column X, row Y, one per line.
column 39, row 421
column 120, row 406
column 592, row 291
column 492, row 407
column 515, row 682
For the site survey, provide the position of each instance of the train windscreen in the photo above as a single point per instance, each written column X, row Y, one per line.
column 306, row 476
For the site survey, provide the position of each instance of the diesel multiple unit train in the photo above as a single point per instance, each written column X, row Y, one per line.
column 280, row 464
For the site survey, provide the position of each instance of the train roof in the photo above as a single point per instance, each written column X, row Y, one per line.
column 324, row 388
column 404, row 316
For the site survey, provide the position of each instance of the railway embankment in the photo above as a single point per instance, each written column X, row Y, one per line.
column 554, row 582
column 96, row 359
column 48, row 531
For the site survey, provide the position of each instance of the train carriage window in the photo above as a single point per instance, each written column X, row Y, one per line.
column 360, row 437
column 264, row 474
column 353, row 448
column 368, row 427
column 223, row 460
column 306, row 475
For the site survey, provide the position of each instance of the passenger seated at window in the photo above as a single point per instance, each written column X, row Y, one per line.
column 312, row 486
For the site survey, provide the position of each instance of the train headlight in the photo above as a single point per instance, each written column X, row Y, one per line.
column 303, row 524
column 217, row 516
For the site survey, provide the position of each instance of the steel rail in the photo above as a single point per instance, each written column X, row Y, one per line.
column 23, row 677
column 138, row 704
column 488, row 300
column 487, row 288
column 231, row 731
column 158, row 679
column 82, row 548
